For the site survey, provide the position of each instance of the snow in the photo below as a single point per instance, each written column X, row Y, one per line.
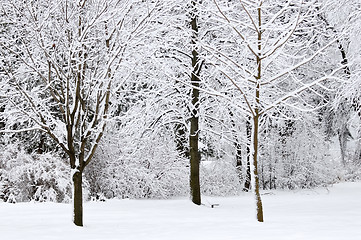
column 323, row 213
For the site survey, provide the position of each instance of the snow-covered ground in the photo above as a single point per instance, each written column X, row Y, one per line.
column 333, row 213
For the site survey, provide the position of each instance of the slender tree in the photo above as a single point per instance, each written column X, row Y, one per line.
column 275, row 52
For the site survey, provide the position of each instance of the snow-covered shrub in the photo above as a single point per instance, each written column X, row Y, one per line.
column 219, row 178
column 38, row 177
column 296, row 156
column 350, row 173
column 146, row 167
column 145, row 179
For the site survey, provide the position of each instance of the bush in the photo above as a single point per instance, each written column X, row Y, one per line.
column 296, row 158
column 37, row 177
column 219, row 178
column 147, row 167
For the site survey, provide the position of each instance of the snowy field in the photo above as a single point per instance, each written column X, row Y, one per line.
column 333, row 213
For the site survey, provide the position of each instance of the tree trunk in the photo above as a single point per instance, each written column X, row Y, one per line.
column 247, row 183
column 2, row 120
column 181, row 140
column 194, row 129
column 238, row 147
column 357, row 156
column 78, row 199
column 194, row 164
column 193, row 146
column 255, row 169
column 256, row 117
column 343, row 141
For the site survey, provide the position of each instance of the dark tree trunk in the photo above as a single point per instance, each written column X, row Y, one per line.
column 194, row 129
column 238, row 147
column 247, row 183
column 78, row 199
column 343, row 141
column 238, row 156
column 193, row 144
column 2, row 120
column 181, row 140
column 343, row 129
column 194, row 163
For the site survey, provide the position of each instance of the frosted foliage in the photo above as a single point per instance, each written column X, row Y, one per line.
column 38, row 177
column 295, row 156
column 345, row 17
column 147, row 167
column 219, row 178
